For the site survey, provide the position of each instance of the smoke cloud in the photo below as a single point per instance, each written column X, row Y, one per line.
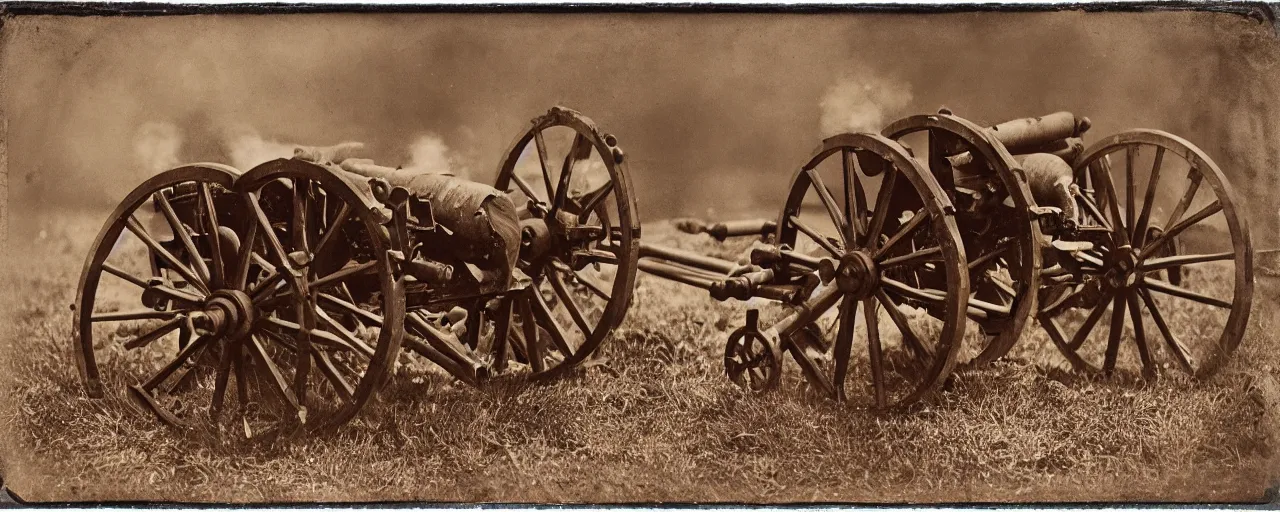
column 156, row 146
column 698, row 102
column 429, row 154
column 863, row 104
column 246, row 148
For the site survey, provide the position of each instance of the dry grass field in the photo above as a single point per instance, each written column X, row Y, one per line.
column 652, row 420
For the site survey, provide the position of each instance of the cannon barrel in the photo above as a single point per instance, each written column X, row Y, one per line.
column 1027, row 133
column 483, row 220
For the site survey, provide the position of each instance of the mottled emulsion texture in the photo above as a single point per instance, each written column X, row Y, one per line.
column 715, row 112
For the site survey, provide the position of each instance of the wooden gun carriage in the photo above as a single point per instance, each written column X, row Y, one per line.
column 293, row 287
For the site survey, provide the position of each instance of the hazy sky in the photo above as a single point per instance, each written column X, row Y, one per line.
column 95, row 103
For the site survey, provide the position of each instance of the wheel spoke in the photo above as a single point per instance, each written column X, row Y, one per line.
column 1092, row 208
column 245, row 258
column 180, row 231
column 266, row 287
column 542, row 314
column 325, row 338
column 1113, row 337
column 915, row 222
column 217, row 268
column 1139, row 334
column 923, row 353
column 562, row 291
column 183, row 356
column 1194, row 176
column 115, row 271
column 913, row 259
column 828, row 202
column 280, row 384
column 242, row 378
column 532, row 346
column 136, row 228
column 349, row 338
column 1087, row 327
column 844, row 344
column 157, row 333
column 1178, row 291
column 814, row 235
column 330, row 234
column 874, row 349
column 1000, row 248
column 544, row 162
column 1179, row 352
column 976, row 309
column 230, row 352
column 1182, row 225
column 184, row 375
column 524, row 187
column 1055, row 332
column 1130, row 189
column 594, row 200
column 580, row 150
column 812, row 371
column 306, row 312
column 351, row 308
column 1144, row 218
column 336, row 380
column 854, row 198
column 589, row 282
column 298, row 223
column 345, row 273
column 881, row 212
column 1113, row 203
column 273, row 242
column 1155, row 264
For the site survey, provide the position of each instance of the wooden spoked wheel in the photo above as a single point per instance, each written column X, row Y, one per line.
column 1171, row 261
column 581, row 234
column 251, row 274
column 149, row 275
column 895, row 254
column 328, row 305
column 993, row 212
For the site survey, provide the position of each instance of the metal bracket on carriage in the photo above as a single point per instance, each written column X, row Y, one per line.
column 769, row 255
column 444, row 349
column 742, row 287
column 1052, row 220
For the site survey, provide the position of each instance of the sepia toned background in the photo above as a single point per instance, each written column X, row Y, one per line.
column 96, row 104
column 715, row 111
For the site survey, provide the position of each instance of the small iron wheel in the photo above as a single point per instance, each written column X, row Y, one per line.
column 752, row 361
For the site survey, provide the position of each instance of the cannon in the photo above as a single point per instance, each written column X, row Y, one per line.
column 296, row 288
column 938, row 243
column 289, row 290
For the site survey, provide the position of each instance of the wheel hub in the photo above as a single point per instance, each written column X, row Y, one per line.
column 857, row 274
column 228, row 313
column 1123, row 269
